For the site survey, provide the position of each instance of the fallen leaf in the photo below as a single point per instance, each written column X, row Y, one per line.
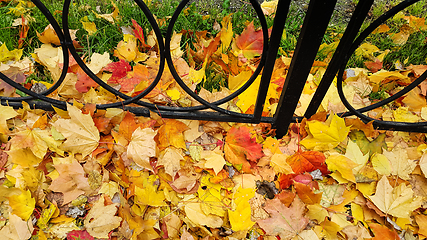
column 80, row 131
column 17, row 229
column 307, row 161
column 240, row 147
column 22, row 205
column 325, row 135
column 285, row 222
column 71, row 180
column 398, row 201
column 100, row 219
column 142, row 146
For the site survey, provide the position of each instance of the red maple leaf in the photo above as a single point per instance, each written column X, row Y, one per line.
column 307, row 162
column 374, row 66
column 118, row 69
column 139, row 33
column 84, row 82
column 240, row 147
column 79, row 235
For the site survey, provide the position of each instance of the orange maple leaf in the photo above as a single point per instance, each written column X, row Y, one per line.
column 240, row 146
column 307, row 162
column 171, row 134
column 250, row 42
column 382, row 232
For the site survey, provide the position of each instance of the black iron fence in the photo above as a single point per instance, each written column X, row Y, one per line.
column 317, row 18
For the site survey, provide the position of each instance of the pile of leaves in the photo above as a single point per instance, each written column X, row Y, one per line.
column 85, row 173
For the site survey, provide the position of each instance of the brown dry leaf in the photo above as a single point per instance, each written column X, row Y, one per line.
column 285, row 222
column 71, row 181
column 80, row 131
column 170, row 159
column 142, row 146
column 101, row 220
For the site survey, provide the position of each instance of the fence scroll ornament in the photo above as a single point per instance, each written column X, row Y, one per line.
column 317, row 18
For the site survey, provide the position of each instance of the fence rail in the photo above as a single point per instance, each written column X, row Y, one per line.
column 317, row 18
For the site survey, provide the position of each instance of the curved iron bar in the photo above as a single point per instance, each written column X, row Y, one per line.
column 42, row 95
column 166, row 51
column 213, row 105
column 354, row 46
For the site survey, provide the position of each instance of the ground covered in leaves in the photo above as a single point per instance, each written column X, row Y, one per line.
column 83, row 173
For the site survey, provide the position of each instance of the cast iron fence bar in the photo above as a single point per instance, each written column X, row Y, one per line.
column 347, row 39
column 313, row 29
column 314, row 26
column 273, row 47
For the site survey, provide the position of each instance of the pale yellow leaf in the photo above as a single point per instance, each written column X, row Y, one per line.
column 80, row 131
column 381, row 164
column 100, row 219
column 279, row 164
column 354, row 153
column 398, row 202
column 142, row 146
column 6, row 113
column 16, row 229
column 170, row 158
column 109, row 188
column 195, row 213
column 400, row 164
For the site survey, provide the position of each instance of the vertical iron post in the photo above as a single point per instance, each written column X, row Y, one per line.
column 349, row 35
column 315, row 23
column 273, row 47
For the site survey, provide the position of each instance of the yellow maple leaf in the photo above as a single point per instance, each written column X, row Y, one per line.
column 109, row 188
column 37, row 140
column 214, row 159
column 354, row 153
column 402, row 114
column 325, row 135
column 366, row 50
column 279, row 164
column 398, row 202
column 24, row 157
column 400, row 163
column 6, row 113
column 342, row 164
column 6, row 55
column 269, row 7
column 80, row 131
column 127, row 49
column 240, row 217
column 226, row 34
column 22, row 205
column 142, row 146
column 89, row 26
column 101, row 220
column 98, row 61
column 381, row 164
column 195, row 213
column 149, row 195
